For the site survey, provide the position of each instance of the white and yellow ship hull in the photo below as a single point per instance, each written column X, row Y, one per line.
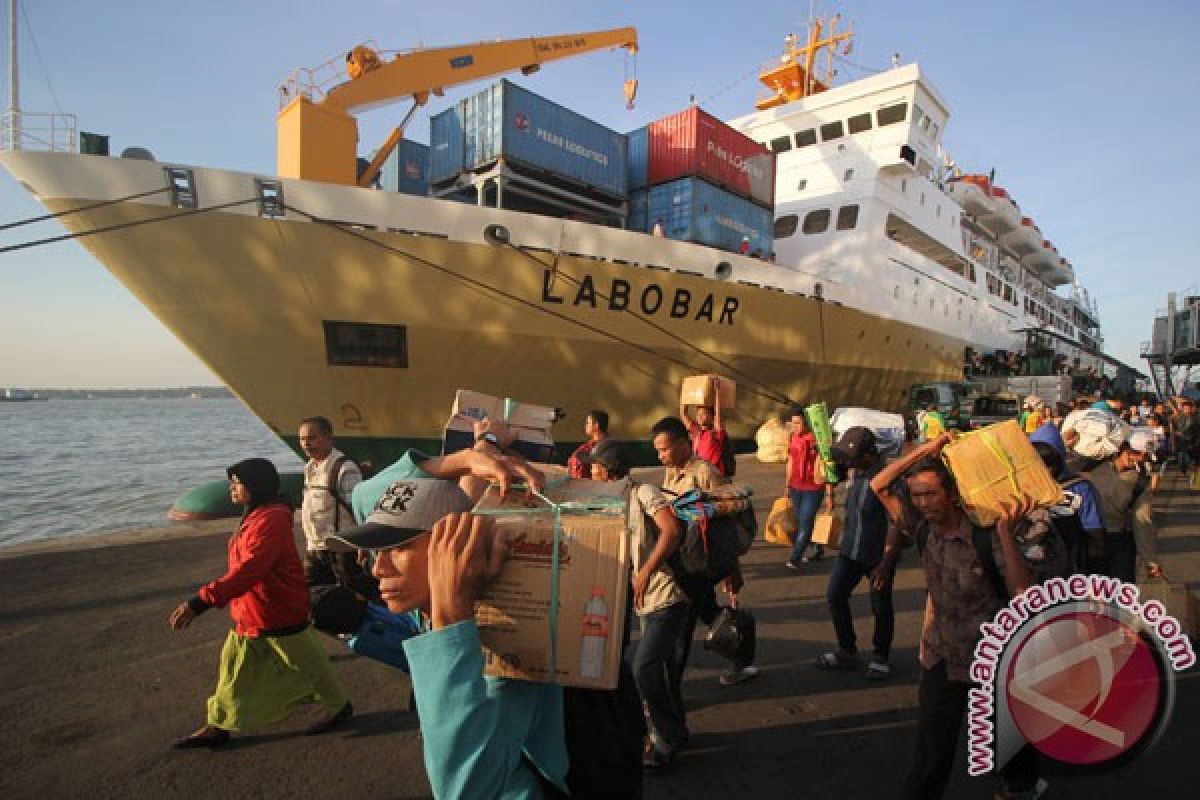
column 568, row 314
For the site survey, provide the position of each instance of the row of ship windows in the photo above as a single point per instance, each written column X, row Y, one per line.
column 859, row 123
column 817, row 221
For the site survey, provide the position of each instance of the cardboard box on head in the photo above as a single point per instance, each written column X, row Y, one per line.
column 531, row 424
column 995, row 466
column 514, row 614
column 698, row 390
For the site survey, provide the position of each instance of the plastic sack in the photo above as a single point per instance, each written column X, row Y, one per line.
column 781, row 523
column 772, row 440
column 1100, row 433
column 888, row 428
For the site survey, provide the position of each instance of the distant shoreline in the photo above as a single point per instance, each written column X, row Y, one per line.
column 181, row 392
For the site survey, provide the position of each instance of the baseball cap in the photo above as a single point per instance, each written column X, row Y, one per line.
column 407, row 509
column 854, row 443
column 1142, row 442
column 609, row 454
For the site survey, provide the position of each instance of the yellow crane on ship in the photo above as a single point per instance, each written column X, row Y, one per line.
column 317, row 128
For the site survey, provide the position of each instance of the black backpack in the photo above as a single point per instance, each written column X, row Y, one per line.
column 710, row 547
column 1055, row 563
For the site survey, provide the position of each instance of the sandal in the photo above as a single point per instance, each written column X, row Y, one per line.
column 736, row 676
column 656, row 760
column 878, row 670
column 837, row 660
column 209, row 736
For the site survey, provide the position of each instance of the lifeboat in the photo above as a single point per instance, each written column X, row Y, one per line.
column 1024, row 240
column 1062, row 274
column 1043, row 260
column 1003, row 215
column 973, row 193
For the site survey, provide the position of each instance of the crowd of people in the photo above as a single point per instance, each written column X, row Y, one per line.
column 405, row 538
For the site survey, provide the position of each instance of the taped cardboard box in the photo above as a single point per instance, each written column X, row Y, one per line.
column 996, row 465
column 827, row 530
column 513, row 615
column 531, row 424
column 698, row 391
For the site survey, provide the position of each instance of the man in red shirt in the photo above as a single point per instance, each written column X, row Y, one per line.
column 706, row 429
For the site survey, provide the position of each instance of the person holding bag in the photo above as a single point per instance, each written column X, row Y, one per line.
column 804, row 476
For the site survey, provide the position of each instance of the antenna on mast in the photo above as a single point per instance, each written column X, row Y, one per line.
column 14, row 82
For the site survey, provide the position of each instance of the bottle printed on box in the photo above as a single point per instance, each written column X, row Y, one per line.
column 595, row 635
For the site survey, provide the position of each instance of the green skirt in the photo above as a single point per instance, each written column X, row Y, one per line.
column 264, row 680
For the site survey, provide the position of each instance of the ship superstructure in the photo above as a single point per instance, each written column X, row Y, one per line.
column 868, row 198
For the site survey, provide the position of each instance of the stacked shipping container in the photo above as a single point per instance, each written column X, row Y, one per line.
column 507, row 122
column 406, row 170
column 704, row 181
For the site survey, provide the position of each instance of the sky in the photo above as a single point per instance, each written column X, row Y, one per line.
column 1087, row 110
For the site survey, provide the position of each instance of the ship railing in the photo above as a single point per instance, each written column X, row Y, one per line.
column 56, row 133
column 314, row 83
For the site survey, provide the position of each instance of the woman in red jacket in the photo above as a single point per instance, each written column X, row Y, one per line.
column 272, row 661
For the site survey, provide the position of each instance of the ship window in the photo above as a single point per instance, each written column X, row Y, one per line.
column 847, row 175
column 817, row 221
column 786, row 226
column 357, row 344
column 806, row 137
column 847, row 217
column 781, row 144
column 859, row 123
column 802, row 184
column 908, row 154
column 831, row 131
column 891, row 115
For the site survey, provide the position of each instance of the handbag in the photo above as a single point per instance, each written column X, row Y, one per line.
column 732, row 635
column 382, row 635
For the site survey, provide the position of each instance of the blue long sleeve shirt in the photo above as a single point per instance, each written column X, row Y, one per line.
column 476, row 728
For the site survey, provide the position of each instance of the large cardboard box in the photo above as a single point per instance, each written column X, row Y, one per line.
column 593, row 581
column 698, row 391
column 531, row 424
column 996, row 465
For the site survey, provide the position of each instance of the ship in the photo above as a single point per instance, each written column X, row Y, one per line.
column 307, row 293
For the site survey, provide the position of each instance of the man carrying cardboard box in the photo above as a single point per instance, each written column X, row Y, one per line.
column 433, row 558
column 707, row 428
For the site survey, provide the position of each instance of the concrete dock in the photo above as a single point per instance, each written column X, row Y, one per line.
column 94, row 686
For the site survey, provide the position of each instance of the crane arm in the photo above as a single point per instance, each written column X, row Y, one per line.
column 318, row 140
column 431, row 70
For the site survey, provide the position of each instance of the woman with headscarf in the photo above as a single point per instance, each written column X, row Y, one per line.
column 272, row 661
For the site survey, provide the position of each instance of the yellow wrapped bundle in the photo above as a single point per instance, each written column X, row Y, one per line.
column 995, row 465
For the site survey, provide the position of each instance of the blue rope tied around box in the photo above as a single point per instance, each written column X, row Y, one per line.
column 588, row 505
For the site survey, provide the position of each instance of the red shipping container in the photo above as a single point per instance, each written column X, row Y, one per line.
column 693, row 143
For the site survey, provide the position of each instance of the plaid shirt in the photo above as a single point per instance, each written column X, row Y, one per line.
column 961, row 598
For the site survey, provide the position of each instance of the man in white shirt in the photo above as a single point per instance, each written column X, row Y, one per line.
column 329, row 480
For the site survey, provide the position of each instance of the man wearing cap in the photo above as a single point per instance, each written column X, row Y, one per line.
column 1127, row 509
column 861, row 556
column 483, row 737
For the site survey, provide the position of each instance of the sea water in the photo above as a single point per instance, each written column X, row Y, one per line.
column 79, row 467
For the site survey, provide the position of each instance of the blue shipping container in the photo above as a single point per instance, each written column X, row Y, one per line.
column 695, row 211
column 639, row 158
column 445, row 145
column 406, row 170
column 639, row 208
column 507, row 121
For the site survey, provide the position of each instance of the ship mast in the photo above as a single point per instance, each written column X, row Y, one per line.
column 14, row 83
column 793, row 77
